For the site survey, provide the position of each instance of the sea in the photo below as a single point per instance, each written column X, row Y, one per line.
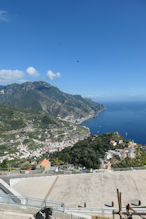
column 127, row 118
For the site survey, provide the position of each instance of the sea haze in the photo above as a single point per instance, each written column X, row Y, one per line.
column 129, row 119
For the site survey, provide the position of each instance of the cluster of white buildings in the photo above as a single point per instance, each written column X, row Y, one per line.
column 41, row 147
column 129, row 151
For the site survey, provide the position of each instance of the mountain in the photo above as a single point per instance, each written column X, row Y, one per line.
column 40, row 95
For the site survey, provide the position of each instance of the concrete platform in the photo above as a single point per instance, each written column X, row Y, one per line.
column 15, row 215
column 96, row 189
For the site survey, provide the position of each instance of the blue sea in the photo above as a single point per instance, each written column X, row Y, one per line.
column 129, row 119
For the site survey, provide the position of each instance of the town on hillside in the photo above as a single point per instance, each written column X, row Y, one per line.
column 39, row 162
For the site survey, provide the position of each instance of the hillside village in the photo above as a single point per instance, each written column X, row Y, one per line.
column 28, row 134
column 129, row 150
column 34, row 146
column 37, row 118
column 122, row 150
column 102, row 152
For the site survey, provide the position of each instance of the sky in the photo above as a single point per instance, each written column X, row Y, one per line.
column 96, row 48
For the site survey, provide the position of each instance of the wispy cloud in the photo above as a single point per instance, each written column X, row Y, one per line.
column 8, row 76
column 31, row 71
column 4, row 16
column 51, row 75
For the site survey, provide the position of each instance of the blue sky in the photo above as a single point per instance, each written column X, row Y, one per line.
column 95, row 48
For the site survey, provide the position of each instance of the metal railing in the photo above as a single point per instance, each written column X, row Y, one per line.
column 29, row 202
column 35, row 204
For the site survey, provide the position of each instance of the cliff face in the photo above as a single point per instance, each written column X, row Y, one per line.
column 40, row 95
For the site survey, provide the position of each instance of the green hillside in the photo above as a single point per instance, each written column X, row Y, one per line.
column 43, row 96
column 87, row 153
column 31, row 129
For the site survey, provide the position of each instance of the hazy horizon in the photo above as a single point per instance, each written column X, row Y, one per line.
column 99, row 98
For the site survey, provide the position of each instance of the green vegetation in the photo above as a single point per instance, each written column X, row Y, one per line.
column 31, row 128
column 40, row 95
column 4, row 164
column 15, row 164
column 87, row 153
column 47, row 120
column 56, row 161
column 17, row 124
column 139, row 161
column 9, row 119
column 13, row 119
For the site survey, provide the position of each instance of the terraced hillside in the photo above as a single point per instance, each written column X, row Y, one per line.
column 28, row 133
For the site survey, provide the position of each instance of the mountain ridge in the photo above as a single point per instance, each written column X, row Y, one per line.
column 41, row 95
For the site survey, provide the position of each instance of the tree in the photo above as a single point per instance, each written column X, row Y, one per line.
column 4, row 164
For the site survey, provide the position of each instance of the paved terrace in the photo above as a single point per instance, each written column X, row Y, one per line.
column 96, row 189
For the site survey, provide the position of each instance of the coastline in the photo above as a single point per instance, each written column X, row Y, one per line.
column 81, row 120
column 121, row 117
column 90, row 117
